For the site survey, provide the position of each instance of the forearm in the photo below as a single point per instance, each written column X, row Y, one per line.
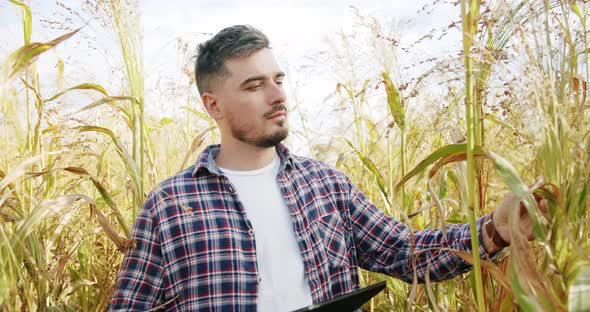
column 388, row 246
column 398, row 254
column 439, row 256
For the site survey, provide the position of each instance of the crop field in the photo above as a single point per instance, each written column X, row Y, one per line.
column 432, row 143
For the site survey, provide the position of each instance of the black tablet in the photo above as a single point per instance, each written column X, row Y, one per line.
column 347, row 302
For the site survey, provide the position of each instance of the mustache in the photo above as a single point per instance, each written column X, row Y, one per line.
column 275, row 109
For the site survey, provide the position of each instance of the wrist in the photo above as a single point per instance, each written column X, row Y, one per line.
column 494, row 239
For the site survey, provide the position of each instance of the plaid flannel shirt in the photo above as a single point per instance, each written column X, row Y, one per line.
column 194, row 248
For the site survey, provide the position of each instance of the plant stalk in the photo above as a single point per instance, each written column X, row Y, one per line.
column 469, row 21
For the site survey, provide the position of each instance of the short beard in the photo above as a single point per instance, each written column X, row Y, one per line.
column 271, row 140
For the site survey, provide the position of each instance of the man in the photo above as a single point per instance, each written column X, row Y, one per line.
column 251, row 226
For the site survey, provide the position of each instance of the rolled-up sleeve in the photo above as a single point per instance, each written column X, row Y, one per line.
column 385, row 244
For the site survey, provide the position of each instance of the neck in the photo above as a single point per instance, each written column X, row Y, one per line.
column 240, row 156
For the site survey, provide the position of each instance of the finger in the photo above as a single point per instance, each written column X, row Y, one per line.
column 542, row 203
column 537, row 184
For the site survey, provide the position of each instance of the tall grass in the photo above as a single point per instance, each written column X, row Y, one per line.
column 514, row 106
column 511, row 117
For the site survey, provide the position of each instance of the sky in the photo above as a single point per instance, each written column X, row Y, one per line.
column 302, row 33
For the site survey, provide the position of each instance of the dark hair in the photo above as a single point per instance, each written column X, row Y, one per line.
column 230, row 42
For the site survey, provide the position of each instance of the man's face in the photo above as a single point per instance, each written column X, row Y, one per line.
column 252, row 100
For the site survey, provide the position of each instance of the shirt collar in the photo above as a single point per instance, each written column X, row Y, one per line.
column 206, row 160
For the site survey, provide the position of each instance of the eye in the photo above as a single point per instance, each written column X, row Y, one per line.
column 254, row 87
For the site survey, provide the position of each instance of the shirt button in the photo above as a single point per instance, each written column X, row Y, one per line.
column 251, row 232
column 231, row 189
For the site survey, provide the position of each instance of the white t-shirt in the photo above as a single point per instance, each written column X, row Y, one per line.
column 283, row 286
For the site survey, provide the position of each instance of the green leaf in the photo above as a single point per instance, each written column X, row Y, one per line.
column 111, row 101
column 46, row 209
column 445, row 154
column 20, row 170
column 83, row 86
column 478, row 152
column 108, row 99
column 27, row 20
column 120, row 148
column 456, row 217
column 576, row 9
column 20, row 59
column 103, row 193
column 194, row 145
column 525, row 301
column 582, row 202
column 498, row 121
column 371, row 166
column 442, row 185
column 396, row 106
column 166, row 121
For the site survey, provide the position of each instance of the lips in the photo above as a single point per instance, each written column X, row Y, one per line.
column 278, row 114
column 277, row 111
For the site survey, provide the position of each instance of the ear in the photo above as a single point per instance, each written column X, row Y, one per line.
column 211, row 103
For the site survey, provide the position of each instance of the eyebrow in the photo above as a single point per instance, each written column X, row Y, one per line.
column 260, row 77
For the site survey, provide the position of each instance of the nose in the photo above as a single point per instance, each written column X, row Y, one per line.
column 276, row 94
